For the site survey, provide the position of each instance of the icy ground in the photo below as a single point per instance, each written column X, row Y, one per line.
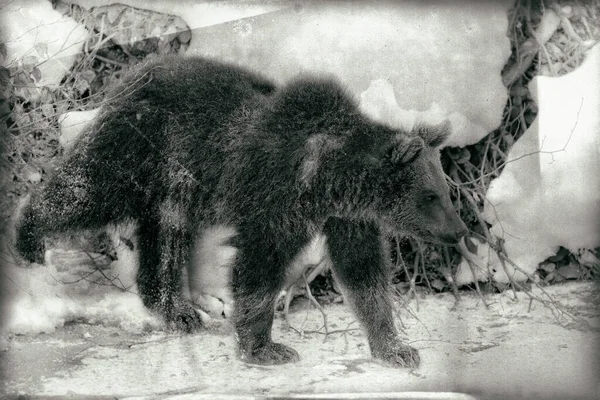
column 509, row 350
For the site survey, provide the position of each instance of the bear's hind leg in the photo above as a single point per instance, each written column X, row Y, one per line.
column 257, row 279
column 358, row 256
column 164, row 244
column 30, row 237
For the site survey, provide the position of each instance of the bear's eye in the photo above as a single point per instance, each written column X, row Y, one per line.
column 431, row 198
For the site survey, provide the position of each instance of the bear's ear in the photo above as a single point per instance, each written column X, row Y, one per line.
column 314, row 103
column 433, row 135
column 405, row 149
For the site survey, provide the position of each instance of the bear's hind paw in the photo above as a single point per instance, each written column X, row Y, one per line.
column 184, row 318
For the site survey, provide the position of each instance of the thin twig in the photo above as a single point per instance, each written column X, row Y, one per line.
column 449, row 277
column 315, row 302
column 108, row 60
column 465, row 253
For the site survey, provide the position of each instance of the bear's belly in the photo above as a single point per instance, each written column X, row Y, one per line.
column 210, row 266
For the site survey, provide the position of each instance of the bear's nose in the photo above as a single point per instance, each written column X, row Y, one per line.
column 461, row 233
column 454, row 237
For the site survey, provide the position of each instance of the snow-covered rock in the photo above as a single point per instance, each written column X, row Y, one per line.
column 548, row 195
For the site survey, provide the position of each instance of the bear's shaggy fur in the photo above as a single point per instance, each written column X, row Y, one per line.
column 184, row 144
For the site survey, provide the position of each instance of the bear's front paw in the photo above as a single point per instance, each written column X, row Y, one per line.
column 271, row 354
column 398, row 354
column 184, row 317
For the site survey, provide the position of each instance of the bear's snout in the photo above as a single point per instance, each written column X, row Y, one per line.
column 453, row 237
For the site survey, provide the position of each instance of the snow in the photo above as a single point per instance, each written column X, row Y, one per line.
column 484, row 264
column 210, row 271
column 35, row 34
column 379, row 102
column 509, row 350
column 37, row 300
column 548, row 195
column 72, row 124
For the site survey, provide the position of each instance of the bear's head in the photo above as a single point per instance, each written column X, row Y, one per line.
column 397, row 178
column 415, row 191
column 358, row 168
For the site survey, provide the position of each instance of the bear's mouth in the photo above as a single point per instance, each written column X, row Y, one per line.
column 446, row 239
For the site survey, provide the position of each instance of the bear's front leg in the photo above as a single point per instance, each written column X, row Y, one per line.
column 257, row 279
column 359, row 258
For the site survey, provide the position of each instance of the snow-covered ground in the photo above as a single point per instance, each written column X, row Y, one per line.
column 511, row 350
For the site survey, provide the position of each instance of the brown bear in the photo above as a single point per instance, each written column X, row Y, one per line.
column 185, row 144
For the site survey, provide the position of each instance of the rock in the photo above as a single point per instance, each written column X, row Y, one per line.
column 139, row 30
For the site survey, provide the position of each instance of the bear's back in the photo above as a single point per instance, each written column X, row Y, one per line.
column 193, row 88
column 170, row 110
